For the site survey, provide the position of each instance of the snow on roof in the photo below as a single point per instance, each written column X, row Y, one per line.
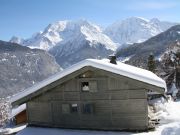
column 120, row 68
column 17, row 110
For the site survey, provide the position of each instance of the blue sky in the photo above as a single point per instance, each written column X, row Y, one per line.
column 24, row 17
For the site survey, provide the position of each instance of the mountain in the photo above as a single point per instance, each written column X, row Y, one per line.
column 135, row 30
column 82, row 40
column 72, row 41
column 137, row 54
column 21, row 67
column 63, row 32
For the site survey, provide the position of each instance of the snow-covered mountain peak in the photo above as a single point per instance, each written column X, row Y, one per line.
column 155, row 20
column 75, row 33
column 131, row 20
column 61, row 26
column 57, row 26
column 141, row 18
column 136, row 19
column 82, row 39
column 37, row 34
column 90, row 25
column 78, row 33
column 95, row 36
column 136, row 29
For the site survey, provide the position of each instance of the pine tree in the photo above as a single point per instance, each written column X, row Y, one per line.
column 177, row 69
column 151, row 63
column 171, row 66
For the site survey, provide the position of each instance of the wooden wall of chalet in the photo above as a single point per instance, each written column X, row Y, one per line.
column 21, row 118
column 119, row 103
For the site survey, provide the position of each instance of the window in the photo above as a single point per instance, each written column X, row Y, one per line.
column 90, row 86
column 85, row 86
column 88, row 108
column 74, row 108
column 69, row 108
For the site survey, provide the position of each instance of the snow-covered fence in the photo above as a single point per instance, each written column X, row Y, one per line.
column 5, row 108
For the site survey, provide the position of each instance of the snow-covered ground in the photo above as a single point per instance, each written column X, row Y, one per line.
column 8, row 131
column 169, row 125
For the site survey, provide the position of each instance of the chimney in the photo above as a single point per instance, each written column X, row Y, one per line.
column 112, row 59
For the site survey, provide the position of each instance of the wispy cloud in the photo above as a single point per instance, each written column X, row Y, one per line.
column 152, row 5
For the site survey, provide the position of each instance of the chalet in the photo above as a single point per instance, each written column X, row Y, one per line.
column 92, row 94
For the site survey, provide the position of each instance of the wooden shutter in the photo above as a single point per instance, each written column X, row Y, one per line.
column 93, row 86
column 65, row 108
column 88, row 108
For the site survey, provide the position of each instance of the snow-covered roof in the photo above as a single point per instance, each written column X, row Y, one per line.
column 120, row 68
column 18, row 110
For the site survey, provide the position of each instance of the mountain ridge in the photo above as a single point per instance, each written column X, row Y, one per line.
column 66, row 40
column 61, row 32
column 157, row 45
column 136, row 29
column 120, row 33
